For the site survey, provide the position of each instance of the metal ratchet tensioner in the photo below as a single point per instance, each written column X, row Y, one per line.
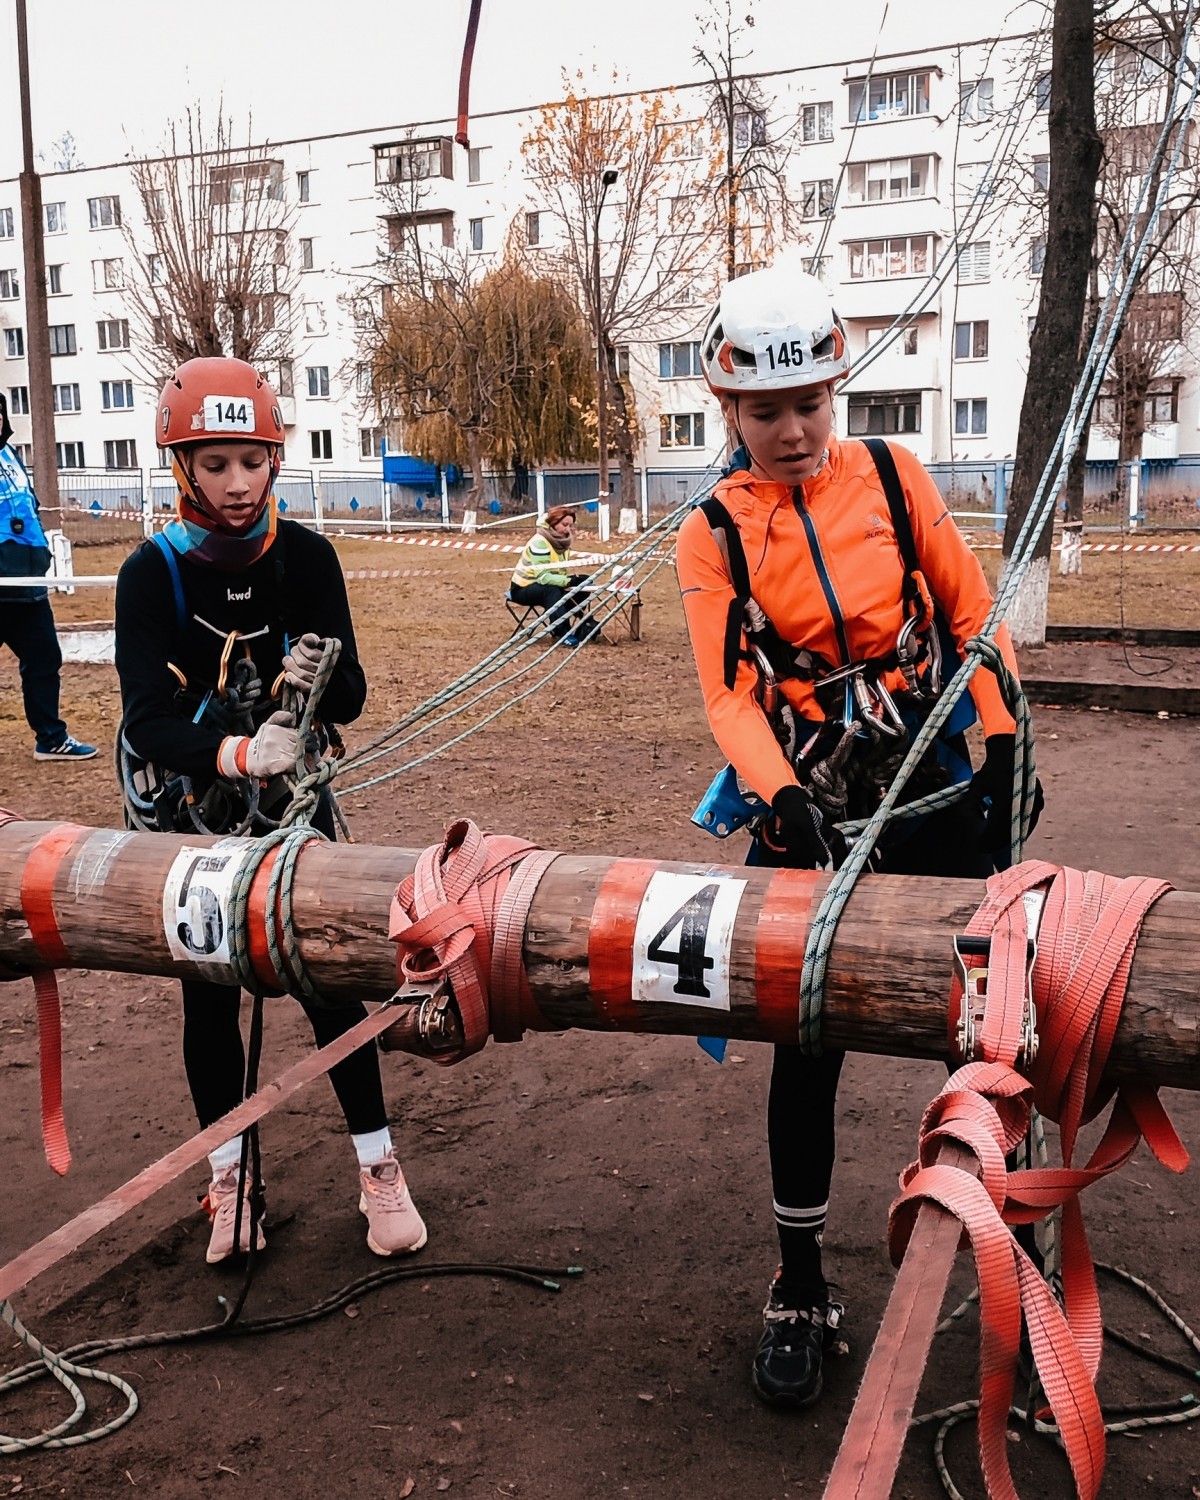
column 971, row 955
column 438, row 1023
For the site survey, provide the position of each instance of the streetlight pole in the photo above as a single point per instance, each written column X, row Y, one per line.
column 607, row 178
column 37, row 331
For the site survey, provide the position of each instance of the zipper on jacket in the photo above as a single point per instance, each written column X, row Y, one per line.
column 818, row 557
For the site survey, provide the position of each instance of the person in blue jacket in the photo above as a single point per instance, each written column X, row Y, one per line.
column 26, row 619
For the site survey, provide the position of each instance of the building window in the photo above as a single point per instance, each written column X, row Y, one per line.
column 54, row 216
column 362, row 379
column 120, row 453
column 246, row 182
column 975, row 100
column 904, row 339
column 370, row 442
column 62, row 338
column 68, row 455
column 971, row 340
column 749, row 129
column 1041, row 92
column 816, row 122
column 108, row 275
column 14, row 343
column 1041, row 174
column 476, row 230
column 322, row 445
column 879, row 260
column 154, row 201
column 66, row 398
column 533, row 229
column 676, row 361
column 816, row 198
column 6, row 223
column 104, row 213
column 885, row 181
column 18, row 400
column 413, row 161
column 477, row 163
column 54, row 281
column 975, row 262
column 318, row 380
column 884, row 413
column 156, row 270
column 112, row 333
column 622, row 352
column 681, row 430
column 24, row 452
column 1162, row 406
column 1037, row 255
column 116, row 395
column 314, row 318
column 304, row 187
column 10, row 286
column 306, row 255
column 970, row 418
column 889, row 96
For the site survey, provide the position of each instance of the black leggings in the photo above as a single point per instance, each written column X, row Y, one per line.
column 214, row 1057
column 803, row 1095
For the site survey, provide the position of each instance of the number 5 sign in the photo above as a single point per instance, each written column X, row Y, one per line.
column 196, row 906
column 682, row 939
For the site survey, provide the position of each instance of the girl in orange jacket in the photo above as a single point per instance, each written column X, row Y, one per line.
column 819, row 582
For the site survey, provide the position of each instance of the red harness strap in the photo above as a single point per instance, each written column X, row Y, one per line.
column 37, row 905
column 1088, row 935
column 461, row 916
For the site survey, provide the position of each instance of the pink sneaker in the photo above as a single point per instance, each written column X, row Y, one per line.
column 394, row 1227
column 221, row 1207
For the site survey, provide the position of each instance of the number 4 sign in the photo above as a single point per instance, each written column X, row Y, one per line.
column 682, row 940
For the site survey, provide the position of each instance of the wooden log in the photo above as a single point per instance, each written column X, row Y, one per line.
column 630, row 945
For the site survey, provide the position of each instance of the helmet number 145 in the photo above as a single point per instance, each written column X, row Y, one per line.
column 776, row 355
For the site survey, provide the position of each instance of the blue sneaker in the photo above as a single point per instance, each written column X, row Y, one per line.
column 569, row 640
column 70, row 749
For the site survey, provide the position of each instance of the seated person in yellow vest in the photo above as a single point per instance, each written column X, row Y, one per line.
column 541, row 578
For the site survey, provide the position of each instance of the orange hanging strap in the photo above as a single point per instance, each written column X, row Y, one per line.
column 462, row 137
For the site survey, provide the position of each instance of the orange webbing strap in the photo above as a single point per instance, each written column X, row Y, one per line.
column 22, row 1269
column 1088, row 935
column 460, row 916
column 37, row 905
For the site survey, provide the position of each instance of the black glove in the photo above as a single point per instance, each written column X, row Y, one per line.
column 797, row 826
column 994, row 781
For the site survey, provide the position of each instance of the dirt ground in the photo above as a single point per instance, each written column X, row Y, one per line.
column 637, row 1158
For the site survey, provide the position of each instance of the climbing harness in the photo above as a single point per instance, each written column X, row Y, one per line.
column 847, row 761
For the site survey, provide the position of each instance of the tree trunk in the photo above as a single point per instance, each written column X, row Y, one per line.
column 475, row 494
column 1075, row 154
column 1071, row 557
column 623, row 428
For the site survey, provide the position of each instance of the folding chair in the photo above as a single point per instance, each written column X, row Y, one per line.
column 520, row 612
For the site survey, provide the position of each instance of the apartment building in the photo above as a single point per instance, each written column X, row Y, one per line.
column 920, row 179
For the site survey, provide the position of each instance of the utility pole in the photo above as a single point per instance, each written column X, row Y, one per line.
column 37, row 330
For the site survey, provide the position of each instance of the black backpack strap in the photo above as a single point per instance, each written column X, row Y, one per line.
column 885, row 466
column 729, row 542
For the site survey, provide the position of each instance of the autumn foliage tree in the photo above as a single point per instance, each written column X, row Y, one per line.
column 482, row 370
column 655, row 261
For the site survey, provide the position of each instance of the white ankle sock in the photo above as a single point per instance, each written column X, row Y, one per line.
column 226, row 1156
column 372, row 1146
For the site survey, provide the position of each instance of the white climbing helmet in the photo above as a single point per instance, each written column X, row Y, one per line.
column 773, row 330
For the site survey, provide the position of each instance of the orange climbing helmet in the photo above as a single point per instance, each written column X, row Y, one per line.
column 218, row 400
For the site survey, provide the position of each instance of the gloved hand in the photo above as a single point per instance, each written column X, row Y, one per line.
column 301, row 663
column 272, row 750
column 994, row 780
column 797, row 826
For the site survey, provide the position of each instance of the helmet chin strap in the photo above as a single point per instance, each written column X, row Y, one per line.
column 186, row 479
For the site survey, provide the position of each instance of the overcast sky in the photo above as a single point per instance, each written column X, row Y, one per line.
column 113, row 72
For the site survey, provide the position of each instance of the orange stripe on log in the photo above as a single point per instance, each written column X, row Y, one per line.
column 256, row 925
column 37, row 889
column 610, row 940
column 779, row 945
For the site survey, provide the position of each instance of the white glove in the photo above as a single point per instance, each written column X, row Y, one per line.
column 272, row 750
column 301, row 663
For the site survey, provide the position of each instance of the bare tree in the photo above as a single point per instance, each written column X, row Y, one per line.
column 212, row 269
column 1054, row 348
column 655, row 263
column 478, row 364
column 751, row 204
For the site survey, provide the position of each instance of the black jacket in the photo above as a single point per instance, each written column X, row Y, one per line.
column 296, row 586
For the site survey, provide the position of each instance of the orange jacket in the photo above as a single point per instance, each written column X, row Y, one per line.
column 848, row 512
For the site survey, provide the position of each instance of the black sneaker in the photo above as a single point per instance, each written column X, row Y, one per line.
column 787, row 1364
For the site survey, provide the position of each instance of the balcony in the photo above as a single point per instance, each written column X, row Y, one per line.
column 880, row 301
